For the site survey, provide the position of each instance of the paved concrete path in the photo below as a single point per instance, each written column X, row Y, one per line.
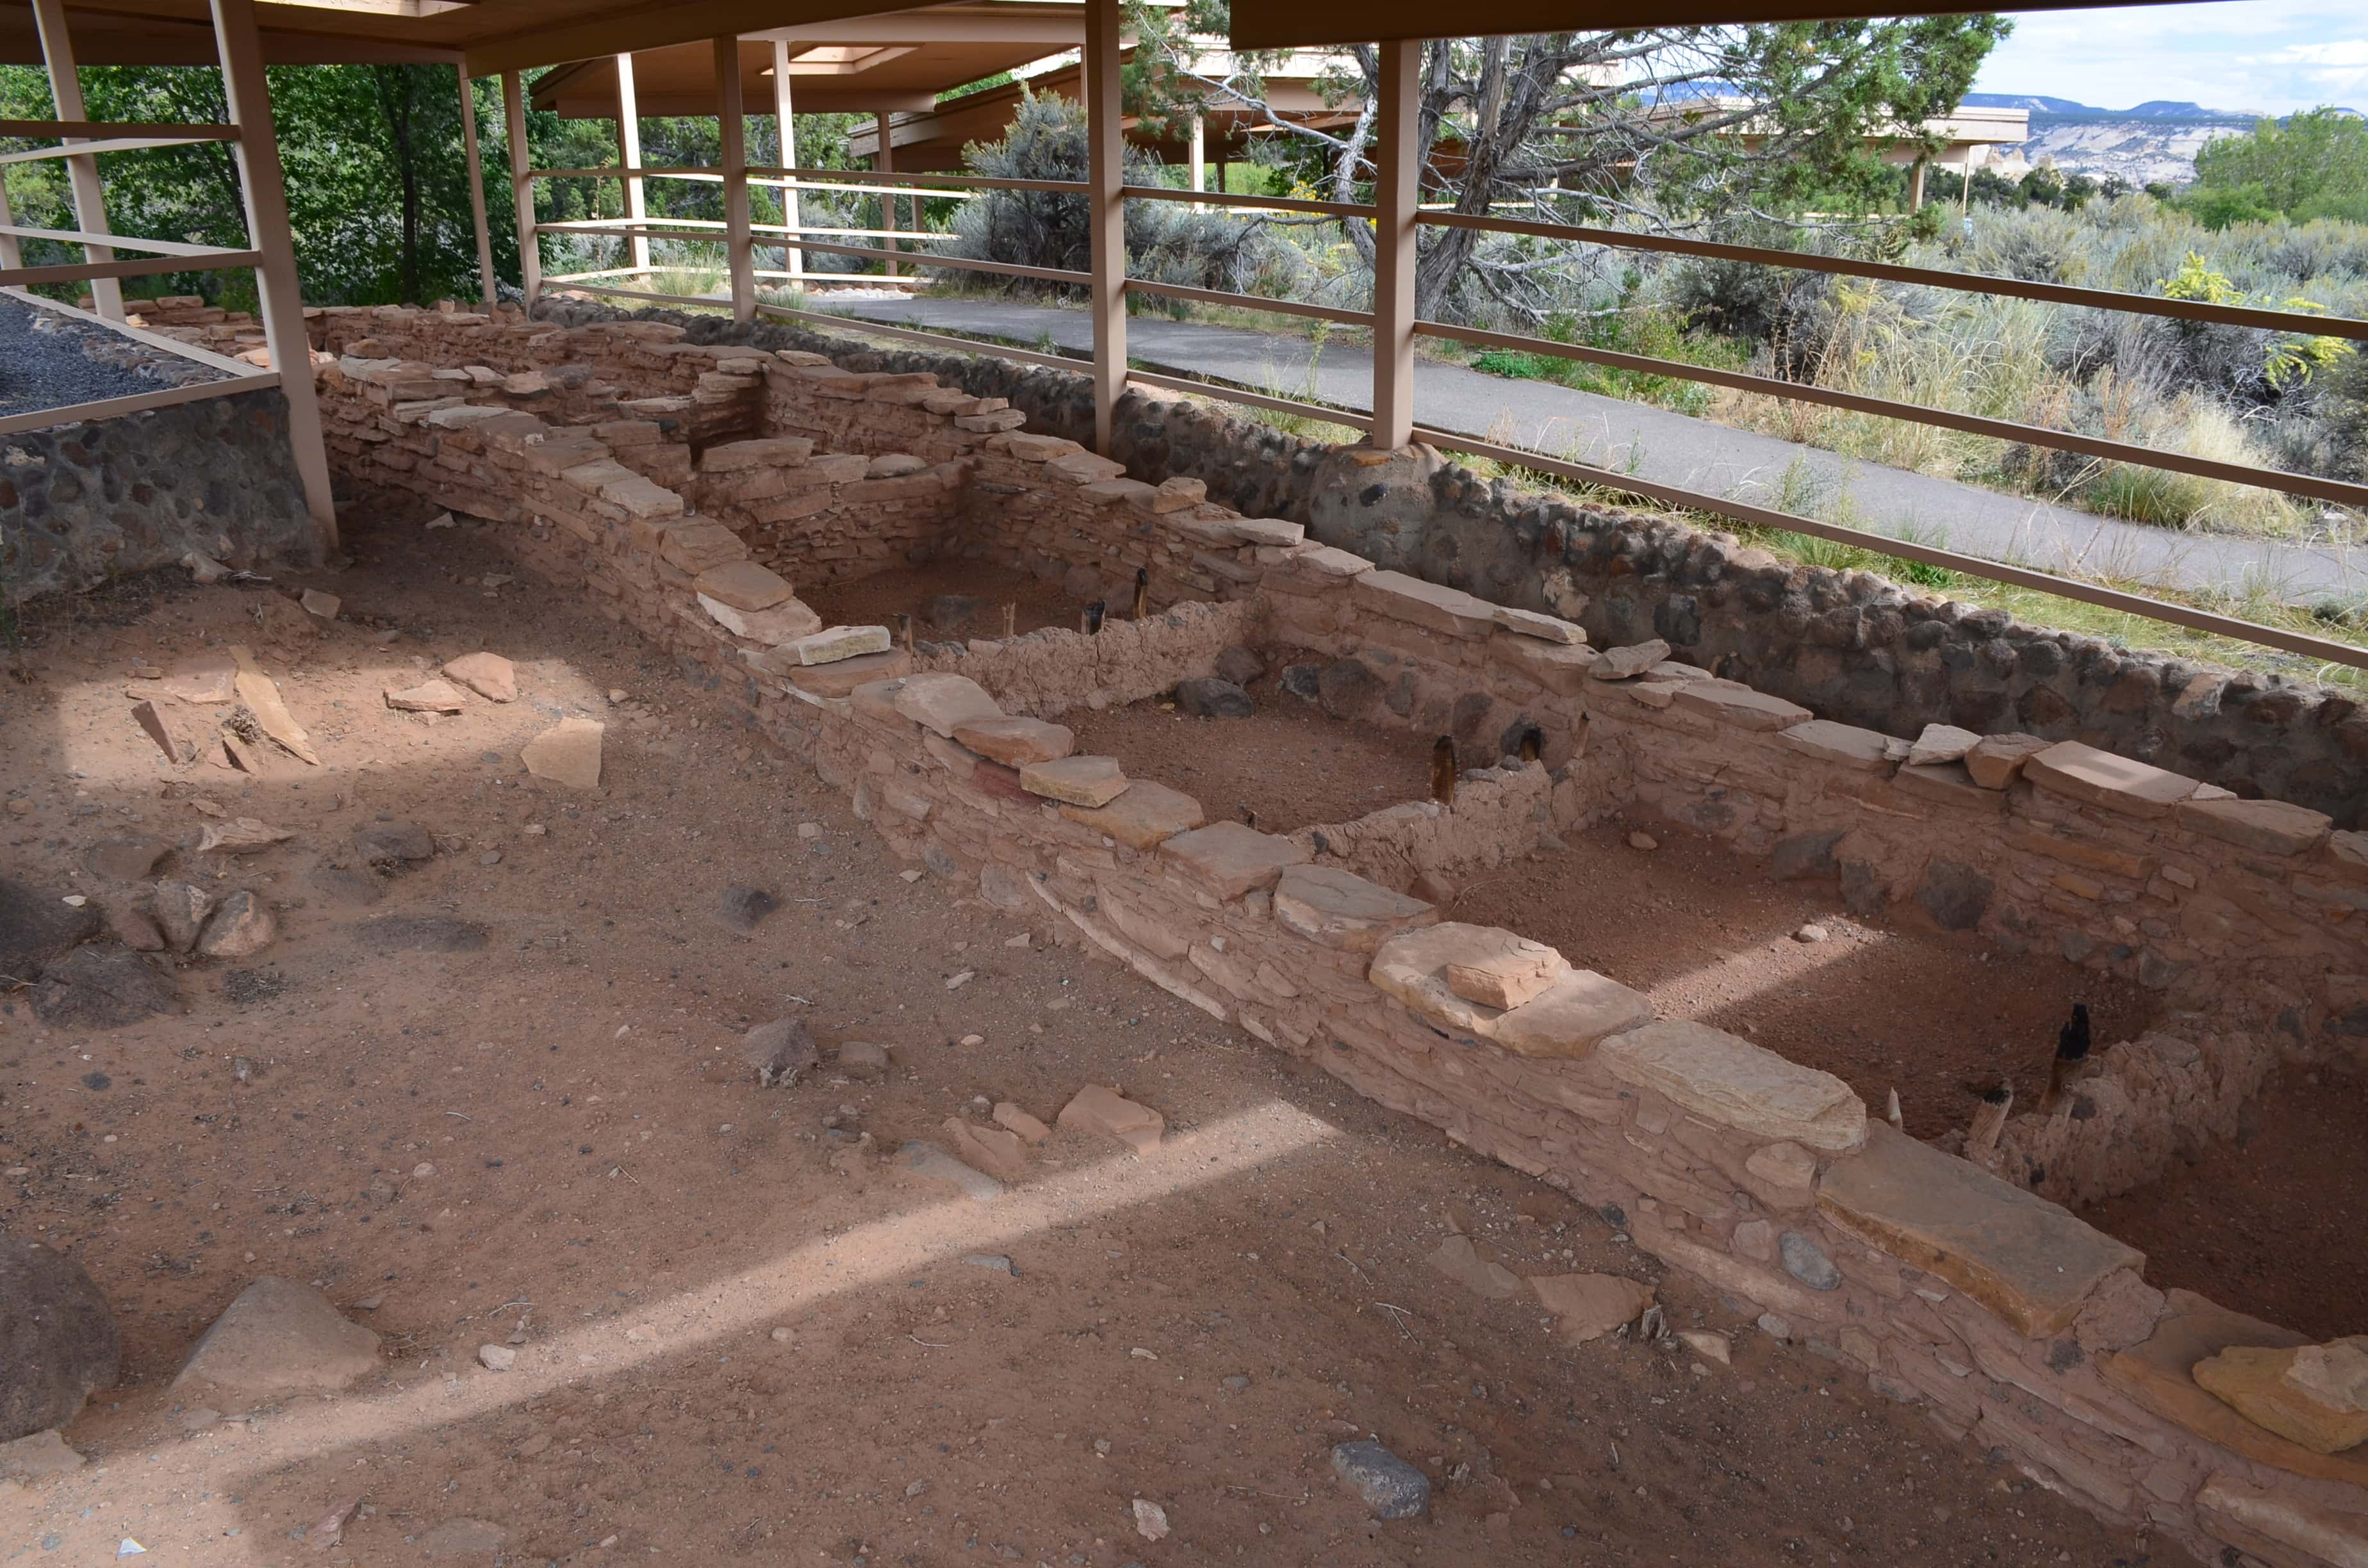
column 1674, row 448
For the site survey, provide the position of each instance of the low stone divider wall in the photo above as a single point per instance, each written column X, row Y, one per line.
column 2009, row 1319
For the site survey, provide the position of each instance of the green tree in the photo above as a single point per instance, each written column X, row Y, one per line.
column 2311, row 165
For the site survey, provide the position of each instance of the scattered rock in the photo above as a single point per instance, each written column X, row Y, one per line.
column 490, row 675
column 261, row 695
column 134, row 929
column 780, row 1051
column 1708, row 1345
column 1008, row 1114
column 427, row 696
column 1459, row 1260
column 497, row 1358
column 240, row 836
column 58, row 1344
column 742, row 908
column 239, row 925
column 126, row 859
column 1810, row 933
column 1643, row 840
column 1392, row 1488
column 181, row 909
column 35, row 928
column 31, row 1459
column 1208, row 697
column 180, row 731
column 1804, row 1260
column 203, row 569
column 568, row 752
column 1239, row 665
column 930, row 1163
column 102, row 987
column 864, row 1061
column 1941, row 743
column 994, row 1261
column 993, row 1149
column 393, row 843
column 1592, row 1305
column 463, row 1538
column 421, row 933
column 279, row 1337
column 1108, row 1114
column 1150, row 1520
column 321, row 605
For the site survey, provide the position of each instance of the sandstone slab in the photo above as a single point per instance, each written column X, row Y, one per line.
column 1412, row 967
column 839, row 643
column 490, row 675
column 995, row 1149
column 1845, row 745
column 1432, row 606
column 1545, row 628
column 1230, row 858
column 743, row 585
column 279, row 1337
column 2101, row 778
column 843, row 677
column 1738, row 1085
column 1996, row 761
column 1075, row 780
column 1572, row 1017
column 179, row 730
column 1589, row 1306
column 1461, row 1260
column 2027, row 1260
column 1106, row 1113
column 1732, row 702
column 1015, row 741
column 1941, row 743
column 2158, row 1373
column 2268, row 828
column 427, row 696
column 930, row 1162
column 784, row 622
column 1622, row 663
column 1010, row 1116
column 1557, row 667
column 568, row 752
column 1144, row 816
column 944, row 702
column 1342, row 910
column 2316, row 1395
column 1508, row 977
column 2281, row 1528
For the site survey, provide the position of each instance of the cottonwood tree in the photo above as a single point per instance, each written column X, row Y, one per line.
column 1664, row 129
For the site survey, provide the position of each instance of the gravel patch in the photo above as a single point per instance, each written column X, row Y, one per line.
column 51, row 361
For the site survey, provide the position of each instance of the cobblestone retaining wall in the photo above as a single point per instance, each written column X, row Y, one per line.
column 85, row 502
column 1950, row 1286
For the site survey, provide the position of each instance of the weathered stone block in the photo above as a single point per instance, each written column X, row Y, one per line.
column 1230, row 859
column 1144, row 816
column 1339, row 909
column 1737, row 1084
column 2101, row 778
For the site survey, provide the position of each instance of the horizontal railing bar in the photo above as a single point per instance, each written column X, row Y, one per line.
column 2342, row 492
column 795, row 185
column 108, row 144
column 1893, row 272
column 1948, row 559
column 142, row 267
column 1225, row 198
column 934, row 339
column 644, row 228
column 646, row 294
column 1248, row 301
column 600, row 272
column 41, row 129
column 963, row 262
column 121, row 242
column 617, row 171
column 888, row 176
column 136, row 402
column 1348, row 416
column 872, row 279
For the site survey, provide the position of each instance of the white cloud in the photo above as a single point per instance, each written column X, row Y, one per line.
column 2265, row 56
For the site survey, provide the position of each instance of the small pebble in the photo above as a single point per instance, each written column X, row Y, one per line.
column 1811, row 933
column 490, row 858
column 1643, row 841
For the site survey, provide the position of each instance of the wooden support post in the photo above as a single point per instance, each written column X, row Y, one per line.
column 793, row 256
column 476, row 185
column 279, row 300
column 1106, row 214
column 1396, row 193
column 521, row 188
column 1200, row 153
column 82, row 174
column 628, row 154
column 883, row 162
column 733, row 118
column 12, row 255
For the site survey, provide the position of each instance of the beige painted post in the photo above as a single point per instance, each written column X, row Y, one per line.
column 11, row 253
column 884, row 163
column 793, row 259
column 521, row 188
column 1106, row 214
column 1395, row 194
column 82, row 174
column 279, row 302
column 476, row 185
column 732, row 121
column 1200, row 153
column 628, row 154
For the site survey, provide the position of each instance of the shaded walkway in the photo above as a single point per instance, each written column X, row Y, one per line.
column 1676, row 449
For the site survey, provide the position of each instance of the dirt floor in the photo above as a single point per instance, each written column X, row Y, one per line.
column 729, row 1349
column 918, row 591
column 2271, row 1221
column 1287, row 762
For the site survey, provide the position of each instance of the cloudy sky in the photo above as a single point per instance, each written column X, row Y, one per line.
column 2273, row 56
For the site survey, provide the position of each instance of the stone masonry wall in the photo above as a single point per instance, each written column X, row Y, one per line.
column 2011, row 1323
column 88, row 501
